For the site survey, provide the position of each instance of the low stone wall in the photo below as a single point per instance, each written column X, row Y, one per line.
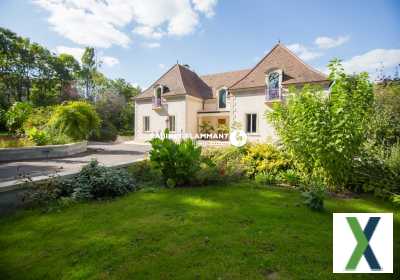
column 42, row 152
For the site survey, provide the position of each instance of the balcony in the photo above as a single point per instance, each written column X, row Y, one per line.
column 157, row 103
column 273, row 94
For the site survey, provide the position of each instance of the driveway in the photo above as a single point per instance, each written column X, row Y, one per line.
column 107, row 154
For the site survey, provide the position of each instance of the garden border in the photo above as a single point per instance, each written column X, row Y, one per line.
column 42, row 152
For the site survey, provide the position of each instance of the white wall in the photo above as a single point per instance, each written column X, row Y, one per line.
column 193, row 105
column 174, row 106
column 248, row 102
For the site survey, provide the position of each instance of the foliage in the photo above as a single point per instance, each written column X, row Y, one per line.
column 38, row 118
column 314, row 193
column 377, row 170
column 16, row 116
column 222, row 164
column 2, row 119
column 95, row 181
column 314, row 199
column 15, row 143
column 176, row 161
column 127, row 119
column 142, row 172
column 107, row 132
column 265, row 178
column 325, row 134
column 264, row 158
column 31, row 72
column 384, row 126
column 76, row 119
column 290, row 177
column 206, row 127
column 39, row 137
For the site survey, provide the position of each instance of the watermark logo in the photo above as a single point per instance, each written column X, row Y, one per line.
column 362, row 242
column 238, row 138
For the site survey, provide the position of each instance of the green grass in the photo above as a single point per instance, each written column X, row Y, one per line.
column 224, row 232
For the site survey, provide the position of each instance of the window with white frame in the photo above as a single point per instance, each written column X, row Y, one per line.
column 146, row 123
column 251, row 123
column 222, row 96
column 171, row 123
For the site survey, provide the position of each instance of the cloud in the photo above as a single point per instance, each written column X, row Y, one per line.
column 372, row 61
column 151, row 45
column 162, row 66
column 328, row 42
column 109, row 61
column 75, row 52
column 304, row 52
column 148, row 32
column 205, row 6
column 78, row 52
column 102, row 23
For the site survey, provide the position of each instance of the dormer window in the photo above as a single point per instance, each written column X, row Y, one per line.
column 158, row 91
column 273, row 87
column 222, row 96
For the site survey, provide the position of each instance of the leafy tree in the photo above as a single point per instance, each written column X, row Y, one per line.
column 76, row 119
column 324, row 132
column 88, row 72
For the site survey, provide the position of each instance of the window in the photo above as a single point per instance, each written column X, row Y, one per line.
column 222, row 98
column 146, row 124
column 273, row 85
column 171, row 123
column 251, row 123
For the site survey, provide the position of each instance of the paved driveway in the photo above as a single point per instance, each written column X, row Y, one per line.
column 107, row 154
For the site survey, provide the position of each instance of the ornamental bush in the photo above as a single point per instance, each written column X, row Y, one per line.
column 325, row 134
column 178, row 162
column 264, row 158
column 76, row 119
column 16, row 115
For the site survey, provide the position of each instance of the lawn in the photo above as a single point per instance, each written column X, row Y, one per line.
column 219, row 232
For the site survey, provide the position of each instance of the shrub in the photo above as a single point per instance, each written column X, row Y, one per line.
column 176, row 161
column 289, row 176
column 264, row 158
column 38, row 118
column 95, row 181
column 325, row 135
column 39, row 137
column 107, row 132
column 207, row 174
column 16, row 143
column 16, row 115
column 315, row 194
column 377, row 171
column 206, row 127
column 265, row 178
column 142, row 172
column 225, row 163
column 76, row 119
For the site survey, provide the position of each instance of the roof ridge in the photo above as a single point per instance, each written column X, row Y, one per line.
column 181, row 78
column 226, row 72
column 252, row 69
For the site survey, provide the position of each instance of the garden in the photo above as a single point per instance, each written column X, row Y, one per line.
column 50, row 99
column 260, row 211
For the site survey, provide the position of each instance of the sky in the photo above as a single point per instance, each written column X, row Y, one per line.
column 139, row 40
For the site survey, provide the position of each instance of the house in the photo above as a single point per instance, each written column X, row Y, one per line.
column 183, row 101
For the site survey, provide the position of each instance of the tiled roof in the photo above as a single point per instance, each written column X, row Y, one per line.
column 216, row 81
column 280, row 57
column 180, row 80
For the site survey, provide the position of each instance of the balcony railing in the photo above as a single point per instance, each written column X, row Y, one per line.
column 273, row 94
column 156, row 102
